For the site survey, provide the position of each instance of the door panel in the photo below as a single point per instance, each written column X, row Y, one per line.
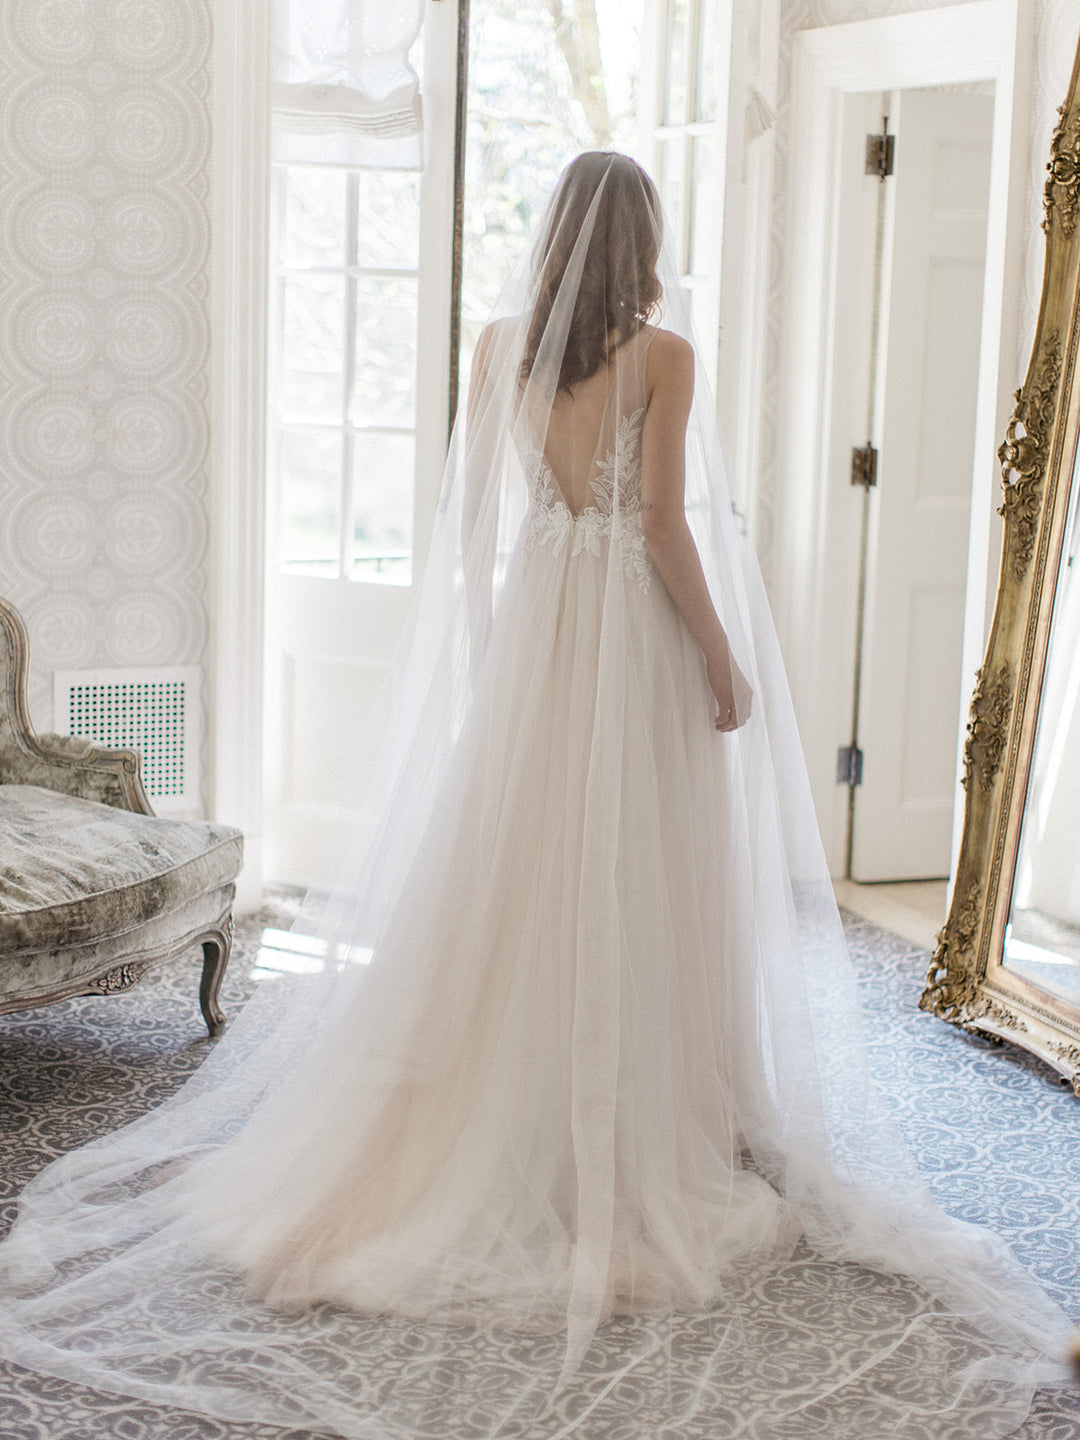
column 333, row 642
column 925, row 421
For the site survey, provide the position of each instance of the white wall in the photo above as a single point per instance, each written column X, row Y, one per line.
column 104, row 245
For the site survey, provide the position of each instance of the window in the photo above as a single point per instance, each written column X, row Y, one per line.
column 343, row 383
column 545, row 82
column 350, row 380
column 685, row 143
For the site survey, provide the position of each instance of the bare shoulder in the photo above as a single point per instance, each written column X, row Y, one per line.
column 501, row 329
column 493, row 343
column 669, row 369
column 486, row 339
column 670, row 363
column 491, row 349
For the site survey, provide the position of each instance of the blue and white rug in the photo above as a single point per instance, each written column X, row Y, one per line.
column 996, row 1133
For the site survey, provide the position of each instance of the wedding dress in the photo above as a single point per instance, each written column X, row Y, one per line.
column 573, row 1134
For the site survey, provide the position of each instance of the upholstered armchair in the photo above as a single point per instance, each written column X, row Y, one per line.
column 95, row 889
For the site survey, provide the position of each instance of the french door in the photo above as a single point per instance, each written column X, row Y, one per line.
column 380, row 283
column 359, row 349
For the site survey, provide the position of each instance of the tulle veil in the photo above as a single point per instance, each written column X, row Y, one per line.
column 201, row 1257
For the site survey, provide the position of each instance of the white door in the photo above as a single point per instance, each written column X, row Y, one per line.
column 360, row 395
column 932, row 294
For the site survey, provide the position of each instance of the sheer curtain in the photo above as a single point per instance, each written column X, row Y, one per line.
column 343, row 90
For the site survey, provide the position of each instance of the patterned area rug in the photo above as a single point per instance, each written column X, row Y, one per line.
column 997, row 1135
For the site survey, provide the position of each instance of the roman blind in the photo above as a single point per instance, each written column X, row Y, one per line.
column 344, row 92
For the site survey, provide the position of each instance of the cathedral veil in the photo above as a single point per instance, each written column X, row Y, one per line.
column 573, row 1133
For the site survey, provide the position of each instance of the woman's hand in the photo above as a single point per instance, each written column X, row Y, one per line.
column 732, row 690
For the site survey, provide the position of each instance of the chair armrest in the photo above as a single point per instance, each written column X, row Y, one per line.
column 70, row 764
column 75, row 766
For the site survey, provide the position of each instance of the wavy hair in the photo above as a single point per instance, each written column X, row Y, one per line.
column 619, row 288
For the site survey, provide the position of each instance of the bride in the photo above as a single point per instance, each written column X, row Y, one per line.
column 573, row 1134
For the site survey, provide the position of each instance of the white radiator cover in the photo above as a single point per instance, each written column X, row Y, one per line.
column 155, row 711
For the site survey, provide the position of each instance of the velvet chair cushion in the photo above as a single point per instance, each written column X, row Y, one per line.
column 73, row 872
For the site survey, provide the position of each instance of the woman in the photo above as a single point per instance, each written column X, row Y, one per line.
column 587, row 1144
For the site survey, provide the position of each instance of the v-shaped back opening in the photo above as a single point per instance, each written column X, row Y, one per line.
column 583, row 425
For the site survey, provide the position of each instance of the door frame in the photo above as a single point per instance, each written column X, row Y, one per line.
column 817, row 535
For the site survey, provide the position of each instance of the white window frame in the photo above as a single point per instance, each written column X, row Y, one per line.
column 351, row 433
column 658, row 134
column 239, row 287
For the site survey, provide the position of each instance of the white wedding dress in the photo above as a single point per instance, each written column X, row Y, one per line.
column 553, row 1113
column 574, row 1132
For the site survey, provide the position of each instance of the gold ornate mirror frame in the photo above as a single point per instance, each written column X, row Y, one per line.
column 968, row 985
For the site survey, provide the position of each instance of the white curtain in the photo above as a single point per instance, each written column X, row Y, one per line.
column 344, row 91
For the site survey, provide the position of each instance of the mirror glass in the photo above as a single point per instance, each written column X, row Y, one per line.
column 1042, row 942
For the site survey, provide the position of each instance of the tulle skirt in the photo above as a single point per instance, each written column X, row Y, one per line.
column 542, row 1118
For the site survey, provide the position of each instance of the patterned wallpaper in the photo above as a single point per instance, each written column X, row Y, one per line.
column 104, row 244
column 1057, row 26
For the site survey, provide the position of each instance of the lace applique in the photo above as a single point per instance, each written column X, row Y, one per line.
column 552, row 522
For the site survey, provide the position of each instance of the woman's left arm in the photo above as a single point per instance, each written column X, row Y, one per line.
column 669, row 382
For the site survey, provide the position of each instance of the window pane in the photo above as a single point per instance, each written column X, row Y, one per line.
column 703, row 228
column 537, row 96
column 313, row 337
column 383, row 477
column 702, row 303
column 388, row 212
column 705, row 52
column 314, row 222
column 384, row 388
column 669, row 178
column 675, row 64
column 310, row 502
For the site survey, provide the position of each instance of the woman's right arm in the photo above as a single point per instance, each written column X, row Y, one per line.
column 669, row 382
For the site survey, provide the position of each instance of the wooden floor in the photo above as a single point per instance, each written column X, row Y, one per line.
column 914, row 909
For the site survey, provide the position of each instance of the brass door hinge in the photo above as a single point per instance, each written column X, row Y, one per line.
column 880, row 154
column 864, row 466
column 849, row 760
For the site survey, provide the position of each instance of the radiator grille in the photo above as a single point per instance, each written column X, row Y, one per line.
column 152, row 711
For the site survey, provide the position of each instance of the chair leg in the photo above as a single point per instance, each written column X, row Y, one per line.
column 216, row 951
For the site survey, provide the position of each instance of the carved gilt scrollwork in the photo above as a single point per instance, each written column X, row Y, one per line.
column 988, row 727
column 953, row 991
column 978, row 979
column 1067, row 1060
column 983, row 1008
column 949, row 987
column 1061, row 195
column 1023, row 455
